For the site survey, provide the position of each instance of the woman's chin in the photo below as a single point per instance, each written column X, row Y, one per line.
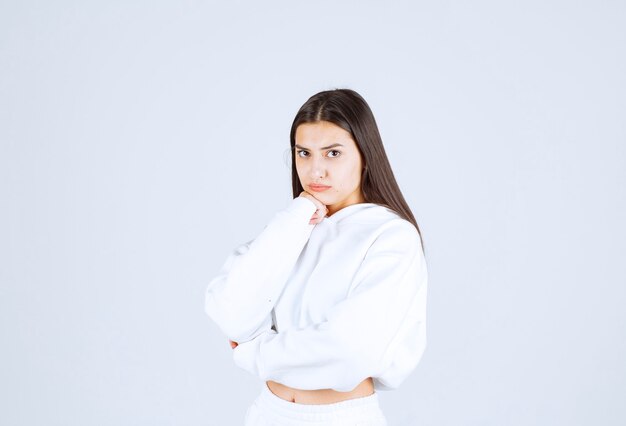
column 324, row 199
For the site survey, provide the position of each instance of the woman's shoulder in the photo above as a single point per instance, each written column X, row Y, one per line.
column 385, row 226
column 381, row 216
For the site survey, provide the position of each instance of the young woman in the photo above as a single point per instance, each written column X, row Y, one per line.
column 327, row 305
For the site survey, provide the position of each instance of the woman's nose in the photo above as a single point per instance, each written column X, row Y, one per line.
column 317, row 170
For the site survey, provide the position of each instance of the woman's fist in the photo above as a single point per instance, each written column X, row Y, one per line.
column 321, row 211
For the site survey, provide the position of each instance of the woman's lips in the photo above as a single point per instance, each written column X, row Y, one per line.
column 319, row 188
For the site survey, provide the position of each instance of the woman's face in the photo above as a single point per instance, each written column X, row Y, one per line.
column 326, row 154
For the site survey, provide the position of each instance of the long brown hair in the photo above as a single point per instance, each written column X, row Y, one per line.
column 348, row 110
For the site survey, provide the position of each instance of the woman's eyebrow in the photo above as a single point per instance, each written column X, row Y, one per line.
column 326, row 147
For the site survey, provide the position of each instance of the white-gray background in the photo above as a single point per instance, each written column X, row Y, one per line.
column 142, row 141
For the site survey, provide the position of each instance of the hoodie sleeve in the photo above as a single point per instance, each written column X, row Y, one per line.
column 240, row 298
column 379, row 327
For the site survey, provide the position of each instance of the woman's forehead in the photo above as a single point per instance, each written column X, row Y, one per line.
column 322, row 135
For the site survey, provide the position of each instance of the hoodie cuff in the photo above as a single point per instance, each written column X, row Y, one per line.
column 246, row 355
column 301, row 207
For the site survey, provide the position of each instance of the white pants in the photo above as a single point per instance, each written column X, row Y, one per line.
column 271, row 410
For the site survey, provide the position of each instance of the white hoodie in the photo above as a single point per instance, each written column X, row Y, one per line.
column 325, row 306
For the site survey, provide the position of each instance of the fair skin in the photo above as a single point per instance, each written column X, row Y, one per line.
column 325, row 154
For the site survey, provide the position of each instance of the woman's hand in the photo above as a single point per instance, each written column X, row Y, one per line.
column 233, row 345
column 321, row 211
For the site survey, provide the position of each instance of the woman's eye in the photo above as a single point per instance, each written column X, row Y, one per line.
column 301, row 151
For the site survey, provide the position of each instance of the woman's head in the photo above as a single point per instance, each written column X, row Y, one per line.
column 327, row 155
column 360, row 172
